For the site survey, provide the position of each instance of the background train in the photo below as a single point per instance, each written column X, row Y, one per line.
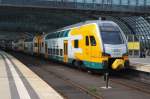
column 95, row 45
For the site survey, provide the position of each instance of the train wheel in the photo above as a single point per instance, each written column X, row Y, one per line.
column 77, row 64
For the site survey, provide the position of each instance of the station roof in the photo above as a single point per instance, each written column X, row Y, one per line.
column 21, row 17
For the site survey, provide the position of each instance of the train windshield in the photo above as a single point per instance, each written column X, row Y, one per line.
column 111, row 34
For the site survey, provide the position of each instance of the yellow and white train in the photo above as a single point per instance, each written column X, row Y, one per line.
column 96, row 45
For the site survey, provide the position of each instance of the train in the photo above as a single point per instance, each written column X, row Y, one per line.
column 95, row 45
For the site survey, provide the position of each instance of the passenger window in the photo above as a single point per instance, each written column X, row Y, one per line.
column 76, row 43
column 35, row 44
column 93, row 41
column 61, row 52
column 54, row 51
column 61, row 34
column 87, row 41
column 42, row 44
column 57, row 51
column 50, row 51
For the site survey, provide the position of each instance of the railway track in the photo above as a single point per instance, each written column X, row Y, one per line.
column 75, row 85
column 118, row 81
column 125, row 80
column 68, row 83
column 132, row 75
column 122, row 81
column 135, row 87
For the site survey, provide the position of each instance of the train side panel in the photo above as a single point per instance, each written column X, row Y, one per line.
column 28, row 47
column 88, row 50
column 54, row 47
column 80, row 44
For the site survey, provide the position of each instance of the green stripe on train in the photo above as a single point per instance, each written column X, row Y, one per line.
column 92, row 65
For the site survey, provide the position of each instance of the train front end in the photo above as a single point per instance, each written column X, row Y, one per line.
column 115, row 52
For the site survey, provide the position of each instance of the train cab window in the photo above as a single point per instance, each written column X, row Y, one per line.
column 111, row 34
column 87, row 41
column 76, row 43
column 93, row 41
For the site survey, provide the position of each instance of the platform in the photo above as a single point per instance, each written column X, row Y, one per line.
column 140, row 64
column 19, row 82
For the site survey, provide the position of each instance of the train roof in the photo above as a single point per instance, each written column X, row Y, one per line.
column 100, row 22
column 63, row 31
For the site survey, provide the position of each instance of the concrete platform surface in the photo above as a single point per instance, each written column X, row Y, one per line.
column 19, row 82
column 140, row 64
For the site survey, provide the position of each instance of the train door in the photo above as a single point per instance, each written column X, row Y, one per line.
column 31, row 47
column 65, row 51
column 40, row 47
column 38, row 43
column 93, row 48
column 46, row 50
